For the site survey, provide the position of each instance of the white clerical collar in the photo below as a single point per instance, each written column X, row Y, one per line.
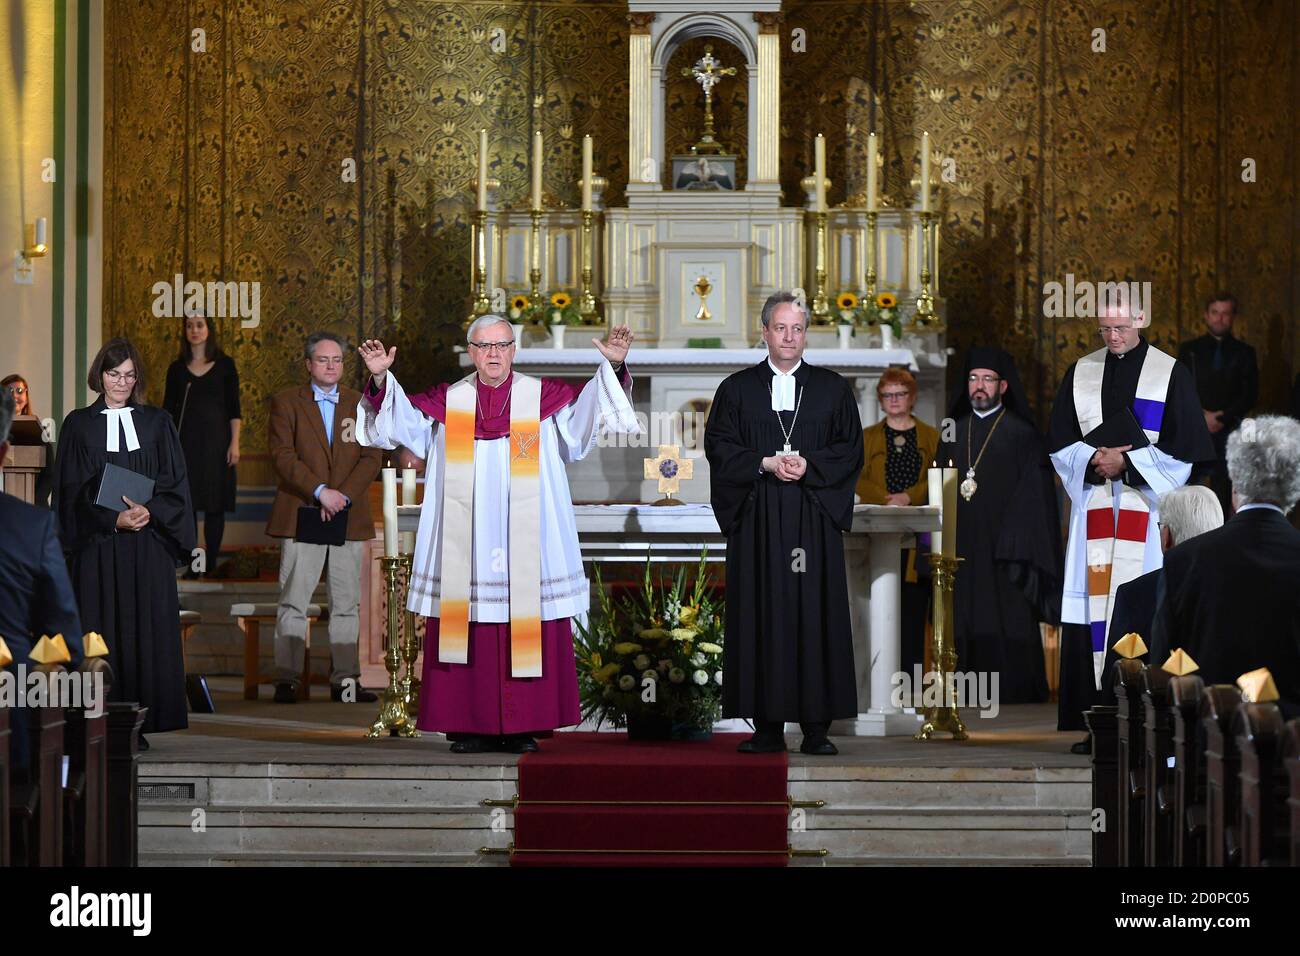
column 119, row 420
column 783, row 387
column 989, row 412
column 1261, row 504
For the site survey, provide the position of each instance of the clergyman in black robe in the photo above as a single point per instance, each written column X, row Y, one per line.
column 1150, row 469
column 788, row 653
column 1008, row 532
column 125, row 579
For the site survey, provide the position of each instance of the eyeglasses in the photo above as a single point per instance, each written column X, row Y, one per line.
column 16, row 390
column 492, row 346
column 328, row 361
column 986, row 379
column 895, row 396
column 1115, row 330
column 115, row 376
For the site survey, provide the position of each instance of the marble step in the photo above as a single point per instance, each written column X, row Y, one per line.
column 310, row 858
column 911, row 860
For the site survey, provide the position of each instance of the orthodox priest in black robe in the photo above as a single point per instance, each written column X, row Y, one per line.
column 123, row 564
column 1126, row 428
column 1008, row 530
column 788, row 653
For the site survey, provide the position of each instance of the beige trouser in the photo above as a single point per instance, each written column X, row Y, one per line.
column 300, row 569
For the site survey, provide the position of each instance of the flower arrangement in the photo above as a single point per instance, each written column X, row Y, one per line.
column 563, row 310
column 657, row 655
column 869, row 312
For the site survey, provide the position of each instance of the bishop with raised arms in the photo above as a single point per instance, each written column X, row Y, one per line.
column 497, row 570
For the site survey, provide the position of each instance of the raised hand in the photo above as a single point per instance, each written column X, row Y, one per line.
column 377, row 360
column 616, row 345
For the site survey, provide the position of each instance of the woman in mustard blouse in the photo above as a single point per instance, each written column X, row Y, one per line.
column 897, row 451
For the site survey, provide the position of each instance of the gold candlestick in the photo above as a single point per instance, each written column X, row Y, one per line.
column 535, row 272
column 482, row 305
column 943, row 653
column 587, row 301
column 393, row 717
column 925, row 301
column 410, row 648
column 821, row 308
column 871, row 254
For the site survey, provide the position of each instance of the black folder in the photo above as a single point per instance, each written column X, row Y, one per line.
column 312, row 530
column 1118, row 430
column 116, row 482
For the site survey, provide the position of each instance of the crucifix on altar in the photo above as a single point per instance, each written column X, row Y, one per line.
column 707, row 165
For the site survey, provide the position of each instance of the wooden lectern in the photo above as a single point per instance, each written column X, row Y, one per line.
column 22, row 465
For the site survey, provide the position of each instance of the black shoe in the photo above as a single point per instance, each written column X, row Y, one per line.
column 470, row 745
column 360, row 695
column 818, row 746
column 763, row 744
column 1083, row 747
column 285, row 692
column 143, row 744
column 518, row 744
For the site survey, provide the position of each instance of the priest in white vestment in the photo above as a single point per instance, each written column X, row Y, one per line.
column 497, row 568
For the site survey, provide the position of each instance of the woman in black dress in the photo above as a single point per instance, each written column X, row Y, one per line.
column 202, row 397
column 123, row 563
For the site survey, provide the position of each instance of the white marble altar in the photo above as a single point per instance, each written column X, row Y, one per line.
column 628, row 532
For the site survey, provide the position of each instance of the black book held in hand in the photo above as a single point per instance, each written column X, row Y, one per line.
column 116, row 482
column 1117, row 431
column 312, row 530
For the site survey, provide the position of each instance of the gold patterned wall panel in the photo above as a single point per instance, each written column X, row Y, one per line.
column 1125, row 163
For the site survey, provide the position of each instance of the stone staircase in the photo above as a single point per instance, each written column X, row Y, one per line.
column 412, row 814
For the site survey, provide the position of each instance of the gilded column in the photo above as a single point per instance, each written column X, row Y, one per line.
column 641, row 102
column 768, row 134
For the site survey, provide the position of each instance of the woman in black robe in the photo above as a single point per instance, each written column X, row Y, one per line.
column 202, row 398
column 123, row 563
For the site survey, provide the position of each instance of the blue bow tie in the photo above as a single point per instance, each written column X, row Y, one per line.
column 332, row 397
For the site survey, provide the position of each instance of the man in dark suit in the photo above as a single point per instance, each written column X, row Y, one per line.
column 320, row 464
column 1184, row 513
column 1227, row 381
column 35, row 593
column 1229, row 597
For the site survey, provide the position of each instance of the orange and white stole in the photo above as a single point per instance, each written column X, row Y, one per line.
column 525, row 525
column 1117, row 537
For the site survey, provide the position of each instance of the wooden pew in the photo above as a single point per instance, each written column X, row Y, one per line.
column 86, row 794
column 1291, row 762
column 1262, row 819
column 1105, row 783
column 1131, row 785
column 1158, row 807
column 124, row 723
column 1189, row 771
column 4, row 786
column 37, row 811
column 1218, row 708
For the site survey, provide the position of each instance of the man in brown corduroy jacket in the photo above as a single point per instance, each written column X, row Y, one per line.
column 320, row 464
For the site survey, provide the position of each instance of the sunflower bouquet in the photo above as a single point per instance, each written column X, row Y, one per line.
column 562, row 310
column 656, row 656
column 882, row 309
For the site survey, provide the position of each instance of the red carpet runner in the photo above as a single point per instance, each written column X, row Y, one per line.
column 591, row 799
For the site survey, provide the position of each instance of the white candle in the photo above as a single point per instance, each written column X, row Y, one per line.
column 935, row 497
column 871, row 173
column 586, row 173
column 40, row 231
column 482, row 169
column 950, row 512
column 537, row 170
column 819, row 172
column 408, row 486
column 925, row 172
column 390, row 512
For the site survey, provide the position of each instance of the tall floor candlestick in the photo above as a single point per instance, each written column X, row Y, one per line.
column 943, row 653
column 393, row 716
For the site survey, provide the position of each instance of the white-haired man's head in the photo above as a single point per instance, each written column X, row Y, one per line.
column 1264, row 461
column 1186, row 512
column 492, row 347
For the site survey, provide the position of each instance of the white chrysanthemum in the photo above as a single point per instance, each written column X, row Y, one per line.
column 651, row 674
column 700, row 677
column 717, row 678
column 642, row 662
column 626, row 682
column 699, row 660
